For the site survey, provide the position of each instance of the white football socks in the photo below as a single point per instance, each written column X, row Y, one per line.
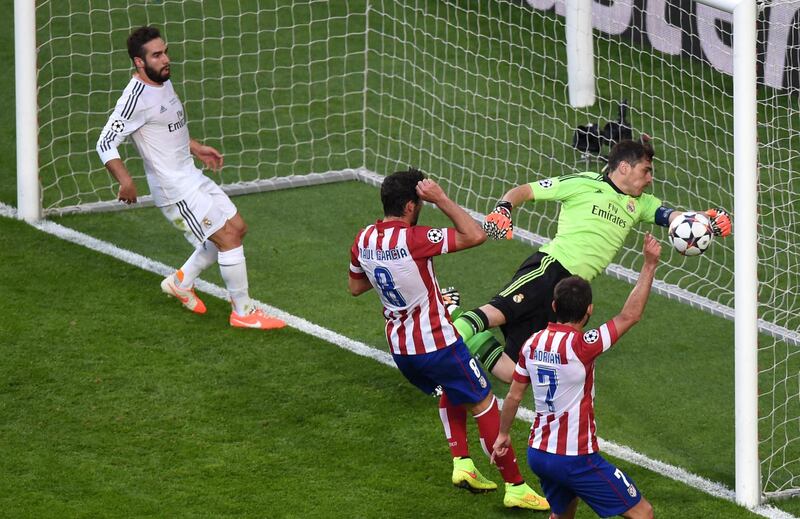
column 233, row 268
column 203, row 257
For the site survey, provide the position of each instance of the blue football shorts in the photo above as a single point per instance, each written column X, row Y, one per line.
column 462, row 378
column 601, row 485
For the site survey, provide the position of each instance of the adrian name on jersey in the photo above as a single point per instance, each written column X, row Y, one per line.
column 384, row 255
column 548, row 357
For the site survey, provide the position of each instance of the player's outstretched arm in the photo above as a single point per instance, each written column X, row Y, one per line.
column 209, row 156
column 127, row 189
column 498, row 224
column 468, row 232
column 633, row 309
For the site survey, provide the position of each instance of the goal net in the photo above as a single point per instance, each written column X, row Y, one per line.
column 277, row 87
column 478, row 96
column 474, row 93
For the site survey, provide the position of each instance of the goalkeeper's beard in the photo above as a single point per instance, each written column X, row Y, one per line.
column 157, row 76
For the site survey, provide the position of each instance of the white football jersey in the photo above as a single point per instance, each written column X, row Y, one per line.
column 397, row 259
column 154, row 118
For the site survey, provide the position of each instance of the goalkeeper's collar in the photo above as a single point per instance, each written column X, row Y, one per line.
column 611, row 183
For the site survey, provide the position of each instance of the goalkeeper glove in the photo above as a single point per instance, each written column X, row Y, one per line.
column 451, row 296
column 720, row 222
column 497, row 224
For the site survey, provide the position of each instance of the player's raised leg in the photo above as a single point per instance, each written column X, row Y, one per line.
column 472, row 322
column 181, row 283
column 233, row 267
column 184, row 216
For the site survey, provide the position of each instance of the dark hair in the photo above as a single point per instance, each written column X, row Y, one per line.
column 572, row 297
column 398, row 189
column 138, row 38
column 630, row 152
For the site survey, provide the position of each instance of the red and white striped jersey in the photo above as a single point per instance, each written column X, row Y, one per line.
column 397, row 259
column 558, row 362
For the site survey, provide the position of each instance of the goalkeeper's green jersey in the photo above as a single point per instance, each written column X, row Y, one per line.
column 595, row 218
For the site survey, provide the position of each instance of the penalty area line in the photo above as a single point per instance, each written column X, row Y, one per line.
column 619, row 451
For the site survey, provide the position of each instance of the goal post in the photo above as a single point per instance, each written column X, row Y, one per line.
column 580, row 52
column 29, row 205
column 745, row 182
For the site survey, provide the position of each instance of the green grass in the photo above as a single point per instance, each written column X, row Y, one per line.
column 479, row 116
column 122, row 404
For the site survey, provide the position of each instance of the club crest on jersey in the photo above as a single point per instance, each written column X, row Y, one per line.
column 631, row 206
column 591, row 336
column 518, row 298
column 546, row 183
column 435, row 235
column 206, row 223
column 117, row 126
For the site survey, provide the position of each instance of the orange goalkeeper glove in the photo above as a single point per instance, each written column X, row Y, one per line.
column 497, row 224
column 720, row 222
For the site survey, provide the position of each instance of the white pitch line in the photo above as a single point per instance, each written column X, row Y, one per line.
column 619, row 451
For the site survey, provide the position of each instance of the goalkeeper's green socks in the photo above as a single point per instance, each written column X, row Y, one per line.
column 486, row 348
column 472, row 326
column 465, row 329
column 470, row 323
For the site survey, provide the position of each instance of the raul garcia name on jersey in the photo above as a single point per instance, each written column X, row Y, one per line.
column 384, row 255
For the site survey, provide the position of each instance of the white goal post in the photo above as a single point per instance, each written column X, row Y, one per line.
column 745, row 162
column 29, row 205
column 745, row 172
column 483, row 96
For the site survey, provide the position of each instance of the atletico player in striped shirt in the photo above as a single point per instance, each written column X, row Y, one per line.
column 559, row 364
column 395, row 256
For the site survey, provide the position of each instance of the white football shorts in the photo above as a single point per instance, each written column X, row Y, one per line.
column 202, row 213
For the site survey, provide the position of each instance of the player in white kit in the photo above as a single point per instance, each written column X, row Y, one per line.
column 150, row 112
column 558, row 363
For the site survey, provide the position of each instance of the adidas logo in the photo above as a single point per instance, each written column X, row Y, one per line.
column 163, row 109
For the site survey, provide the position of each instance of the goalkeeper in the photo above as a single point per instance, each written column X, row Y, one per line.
column 597, row 213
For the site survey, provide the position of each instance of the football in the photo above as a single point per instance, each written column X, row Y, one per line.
column 690, row 233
